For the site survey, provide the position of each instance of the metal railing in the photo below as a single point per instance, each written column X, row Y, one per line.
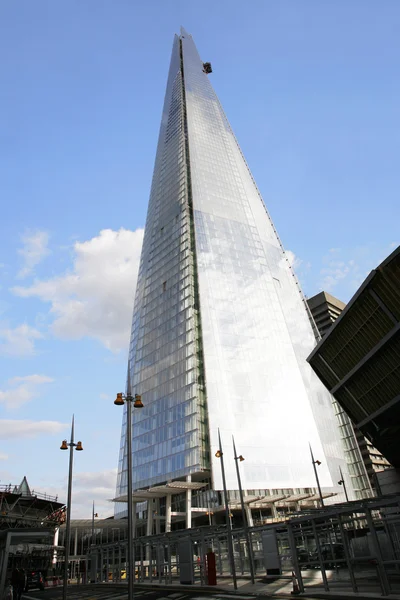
column 344, row 547
column 13, row 489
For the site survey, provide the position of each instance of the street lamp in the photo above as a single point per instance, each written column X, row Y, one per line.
column 220, row 454
column 136, row 400
column 239, row 459
column 64, row 446
column 209, row 514
column 315, row 464
column 93, row 564
column 341, row 482
column 93, row 517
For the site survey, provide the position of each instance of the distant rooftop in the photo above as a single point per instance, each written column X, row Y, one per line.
column 23, row 489
column 325, row 297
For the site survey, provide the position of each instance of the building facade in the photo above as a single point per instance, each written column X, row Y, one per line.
column 220, row 331
column 325, row 309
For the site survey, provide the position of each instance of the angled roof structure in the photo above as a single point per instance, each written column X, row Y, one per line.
column 359, row 358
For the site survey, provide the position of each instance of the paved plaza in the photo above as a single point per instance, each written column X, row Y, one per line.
column 263, row 587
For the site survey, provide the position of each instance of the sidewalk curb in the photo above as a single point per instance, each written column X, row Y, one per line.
column 218, row 590
column 348, row 595
column 211, row 589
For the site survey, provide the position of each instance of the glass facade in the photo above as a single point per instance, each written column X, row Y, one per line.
column 170, row 432
column 220, row 331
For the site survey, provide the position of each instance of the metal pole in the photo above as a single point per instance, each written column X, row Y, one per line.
column 320, row 557
column 344, row 484
column 345, row 543
column 244, row 517
column 316, row 477
column 228, row 523
column 93, row 522
column 383, row 579
column 68, row 519
column 131, row 570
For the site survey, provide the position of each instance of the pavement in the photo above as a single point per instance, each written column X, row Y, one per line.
column 263, row 587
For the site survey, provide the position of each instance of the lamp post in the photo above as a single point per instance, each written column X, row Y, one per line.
column 120, row 400
column 342, row 482
column 315, row 464
column 239, row 459
column 219, row 454
column 93, row 562
column 64, row 446
column 93, row 517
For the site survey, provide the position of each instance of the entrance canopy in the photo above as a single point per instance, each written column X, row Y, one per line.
column 159, row 491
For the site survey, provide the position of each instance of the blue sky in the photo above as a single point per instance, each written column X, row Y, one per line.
column 312, row 92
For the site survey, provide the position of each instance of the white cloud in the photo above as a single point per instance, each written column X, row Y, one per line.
column 335, row 271
column 97, row 480
column 3, row 456
column 33, row 251
column 95, row 299
column 11, row 429
column 19, row 341
column 294, row 260
column 346, row 268
column 89, row 487
column 27, row 389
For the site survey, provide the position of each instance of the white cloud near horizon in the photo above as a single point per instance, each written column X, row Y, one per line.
column 98, row 487
column 18, row 341
column 33, row 251
column 95, row 298
column 22, row 390
column 11, row 429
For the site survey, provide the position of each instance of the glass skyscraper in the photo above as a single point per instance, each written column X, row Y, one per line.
column 220, row 330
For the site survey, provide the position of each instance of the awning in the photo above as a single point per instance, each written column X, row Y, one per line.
column 175, row 487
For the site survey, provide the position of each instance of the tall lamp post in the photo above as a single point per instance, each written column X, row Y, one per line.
column 136, row 400
column 342, row 482
column 315, row 464
column 93, row 517
column 244, row 518
column 219, row 454
column 64, row 446
column 93, row 564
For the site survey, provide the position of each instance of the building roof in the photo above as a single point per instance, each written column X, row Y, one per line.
column 325, row 297
column 358, row 359
column 174, row 487
column 22, row 507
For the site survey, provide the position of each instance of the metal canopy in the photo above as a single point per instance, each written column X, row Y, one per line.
column 324, row 495
column 265, row 501
column 98, row 524
column 175, row 487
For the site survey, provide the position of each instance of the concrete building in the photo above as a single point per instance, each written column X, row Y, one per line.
column 325, row 309
column 220, row 334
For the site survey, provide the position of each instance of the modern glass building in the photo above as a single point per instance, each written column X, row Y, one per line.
column 220, row 331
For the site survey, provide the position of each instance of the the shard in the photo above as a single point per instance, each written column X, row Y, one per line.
column 221, row 330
